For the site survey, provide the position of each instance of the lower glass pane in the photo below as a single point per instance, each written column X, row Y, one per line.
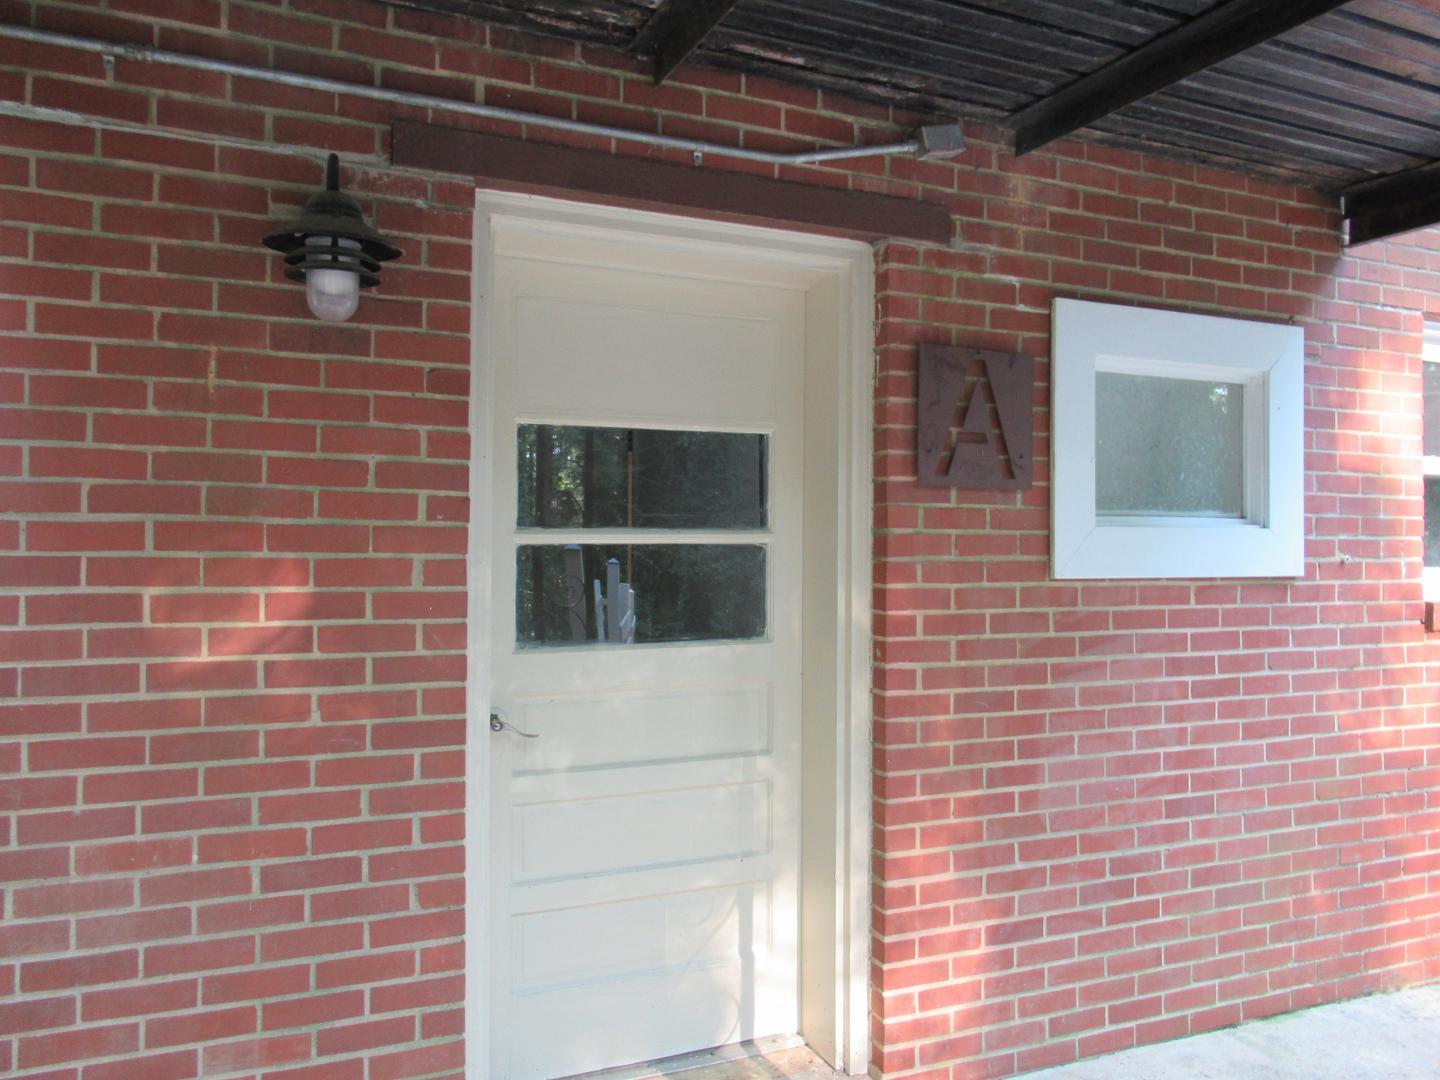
column 581, row 594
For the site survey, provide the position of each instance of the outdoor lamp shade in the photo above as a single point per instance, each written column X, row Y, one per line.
column 332, row 249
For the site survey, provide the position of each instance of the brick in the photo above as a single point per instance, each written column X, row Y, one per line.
column 249, row 846
column 176, row 1065
column 103, row 931
column 115, row 716
column 36, row 1015
column 202, row 1027
column 255, row 1053
column 200, row 675
column 361, row 836
column 134, row 855
column 121, row 1002
column 206, row 956
column 322, row 1009
column 72, row 897
column 311, row 941
column 207, row 607
column 92, row 969
column 266, row 982
column 89, row 535
column 36, row 1051
column 86, row 753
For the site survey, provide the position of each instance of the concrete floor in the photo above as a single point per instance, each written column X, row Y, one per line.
column 796, row 1064
column 1381, row 1037
column 773, row 1059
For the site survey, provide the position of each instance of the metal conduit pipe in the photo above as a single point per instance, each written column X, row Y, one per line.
column 931, row 141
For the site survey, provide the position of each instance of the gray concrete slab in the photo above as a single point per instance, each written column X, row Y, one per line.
column 1392, row 1036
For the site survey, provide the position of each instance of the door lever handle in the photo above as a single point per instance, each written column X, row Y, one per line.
column 498, row 723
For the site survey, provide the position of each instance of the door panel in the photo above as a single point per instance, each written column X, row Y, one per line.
column 645, row 847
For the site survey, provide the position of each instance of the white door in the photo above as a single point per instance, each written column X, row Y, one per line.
column 645, row 846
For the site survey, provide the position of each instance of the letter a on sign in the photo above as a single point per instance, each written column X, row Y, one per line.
column 976, row 420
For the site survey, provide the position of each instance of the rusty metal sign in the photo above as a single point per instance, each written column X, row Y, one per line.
column 976, row 423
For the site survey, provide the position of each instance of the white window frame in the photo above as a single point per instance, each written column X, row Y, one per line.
column 1430, row 463
column 1267, row 358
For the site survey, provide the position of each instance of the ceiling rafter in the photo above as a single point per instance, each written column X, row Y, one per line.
column 676, row 30
column 1390, row 205
column 1193, row 46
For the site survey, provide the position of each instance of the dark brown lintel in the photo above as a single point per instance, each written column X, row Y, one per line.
column 639, row 183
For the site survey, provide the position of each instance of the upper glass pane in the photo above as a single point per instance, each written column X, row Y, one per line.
column 1168, row 446
column 1432, row 407
column 642, row 478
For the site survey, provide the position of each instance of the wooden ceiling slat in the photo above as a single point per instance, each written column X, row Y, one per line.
column 897, row 71
column 1139, row 128
column 611, row 23
column 1328, row 81
column 1379, row 133
column 835, row 28
column 976, row 25
column 1127, row 24
column 1367, row 48
column 1302, row 143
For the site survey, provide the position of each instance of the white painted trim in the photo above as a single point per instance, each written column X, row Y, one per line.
column 1267, row 357
column 800, row 259
column 857, row 435
column 477, row 672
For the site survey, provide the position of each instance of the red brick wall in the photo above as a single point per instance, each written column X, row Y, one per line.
column 231, row 734
column 1112, row 813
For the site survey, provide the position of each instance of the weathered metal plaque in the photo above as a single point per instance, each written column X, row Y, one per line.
column 976, row 423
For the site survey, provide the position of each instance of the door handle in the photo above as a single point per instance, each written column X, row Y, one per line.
column 498, row 723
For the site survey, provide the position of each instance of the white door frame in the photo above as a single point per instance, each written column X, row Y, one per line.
column 844, row 272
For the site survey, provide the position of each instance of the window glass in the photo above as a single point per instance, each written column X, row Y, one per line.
column 1432, row 521
column 647, row 593
column 612, row 478
column 1432, row 408
column 1168, row 446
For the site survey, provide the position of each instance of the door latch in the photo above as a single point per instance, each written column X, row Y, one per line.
column 498, row 723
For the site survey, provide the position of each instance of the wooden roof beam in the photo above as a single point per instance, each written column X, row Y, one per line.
column 676, row 30
column 1390, row 205
column 1226, row 29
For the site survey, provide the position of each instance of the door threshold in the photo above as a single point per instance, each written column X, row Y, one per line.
column 696, row 1059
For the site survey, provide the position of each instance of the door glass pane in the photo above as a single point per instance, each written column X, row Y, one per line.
column 613, row 478
column 1168, row 446
column 648, row 593
column 1432, row 407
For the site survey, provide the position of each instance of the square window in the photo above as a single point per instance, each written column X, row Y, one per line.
column 1431, row 461
column 1177, row 445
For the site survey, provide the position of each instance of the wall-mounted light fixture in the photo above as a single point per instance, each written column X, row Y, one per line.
column 332, row 249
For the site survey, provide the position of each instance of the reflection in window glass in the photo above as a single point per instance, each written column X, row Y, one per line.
column 1168, row 446
column 641, row 593
column 610, row 478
